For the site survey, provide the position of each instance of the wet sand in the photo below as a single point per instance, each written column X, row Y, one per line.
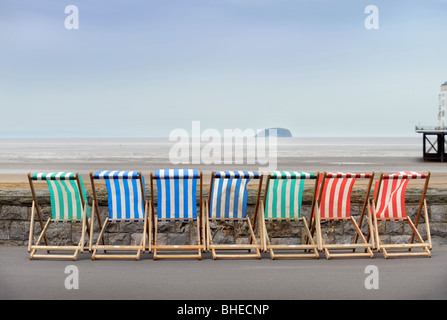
column 388, row 155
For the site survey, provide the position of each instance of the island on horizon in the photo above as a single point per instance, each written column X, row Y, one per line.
column 280, row 133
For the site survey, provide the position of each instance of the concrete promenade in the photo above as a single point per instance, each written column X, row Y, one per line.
column 265, row 279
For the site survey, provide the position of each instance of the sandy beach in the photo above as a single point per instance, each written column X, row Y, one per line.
column 388, row 155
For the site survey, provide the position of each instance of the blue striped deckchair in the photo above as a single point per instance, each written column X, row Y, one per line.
column 334, row 204
column 176, row 201
column 283, row 200
column 228, row 201
column 68, row 204
column 126, row 203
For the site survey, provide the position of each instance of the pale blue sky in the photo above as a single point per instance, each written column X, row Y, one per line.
column 145, row 68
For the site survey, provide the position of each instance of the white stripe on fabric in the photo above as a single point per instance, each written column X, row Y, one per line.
column 181, row 200
column 240, row 205
column 56, row 199
column 71, row 192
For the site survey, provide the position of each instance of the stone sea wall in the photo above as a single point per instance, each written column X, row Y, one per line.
column 15, row 213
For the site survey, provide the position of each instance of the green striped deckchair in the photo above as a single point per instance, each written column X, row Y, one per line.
column 68, row 204
column 283, row 198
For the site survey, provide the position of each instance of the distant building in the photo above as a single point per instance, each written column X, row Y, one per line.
column 442, row 116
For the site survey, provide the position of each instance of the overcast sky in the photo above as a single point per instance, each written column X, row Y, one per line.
column 145, row 68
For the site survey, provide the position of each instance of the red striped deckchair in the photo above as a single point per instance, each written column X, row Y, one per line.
column 334, row 204
column 389, row 205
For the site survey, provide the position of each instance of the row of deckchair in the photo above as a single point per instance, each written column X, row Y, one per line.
column 179, row 198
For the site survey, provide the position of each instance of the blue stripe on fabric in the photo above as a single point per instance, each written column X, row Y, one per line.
column 189, row 200
column 159, row 198
column 193, row 199
column 211, row 200
column 185, row 198
column 219, row 193
column 167, row 186
column 107, row 176
column 126, row 198
column 164, row 185
column 110, row 201
column 244, row 206
column 228, row 197
column 96, row 175
column 118, row 200
column 175, row 174
column 130, row 189
column 136, row 200
column 176, row 195
column 141, row 201
column 236, row 198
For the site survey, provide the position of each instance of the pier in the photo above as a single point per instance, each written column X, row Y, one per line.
column 434, row 143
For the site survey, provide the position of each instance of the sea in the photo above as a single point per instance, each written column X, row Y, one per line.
column 387, row 154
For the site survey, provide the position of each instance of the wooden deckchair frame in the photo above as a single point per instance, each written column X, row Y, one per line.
column 425, row 246
column 153, row 226
column 35, row 246
column 139, row 248
column 307, row 246
column 365, row 244
column 251, row 245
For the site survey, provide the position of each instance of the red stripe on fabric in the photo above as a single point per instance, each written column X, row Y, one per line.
column 330, row 189
column 318, row 190
column 389, row 199
column 381, row 198
column 402, row 197
column 348, row 199
column 340, row 198
column 395, row 194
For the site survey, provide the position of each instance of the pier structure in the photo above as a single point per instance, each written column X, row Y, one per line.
column 434, row 138
column 434, row 143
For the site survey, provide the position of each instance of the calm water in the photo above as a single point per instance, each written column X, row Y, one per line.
column 83, row 155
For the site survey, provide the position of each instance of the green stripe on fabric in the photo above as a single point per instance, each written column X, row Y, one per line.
column 66, row 201
column 77, row 198
column 266, row 204
column 283, row 193
column 286, row 194
column 60, row 204
column 292, row 199
column 85, row 198
column 300, row 197
column 274, row 198
column 53, row 200
column 69, row 202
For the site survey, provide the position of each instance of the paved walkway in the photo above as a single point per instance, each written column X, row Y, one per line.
column 398, row 278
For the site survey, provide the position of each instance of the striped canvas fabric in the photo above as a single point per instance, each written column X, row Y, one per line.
column 285, row 194
column 66, row 201
column 125, row 197
column 336, row 196
column 390, row 203
column 229, row 194
column 176, row 193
